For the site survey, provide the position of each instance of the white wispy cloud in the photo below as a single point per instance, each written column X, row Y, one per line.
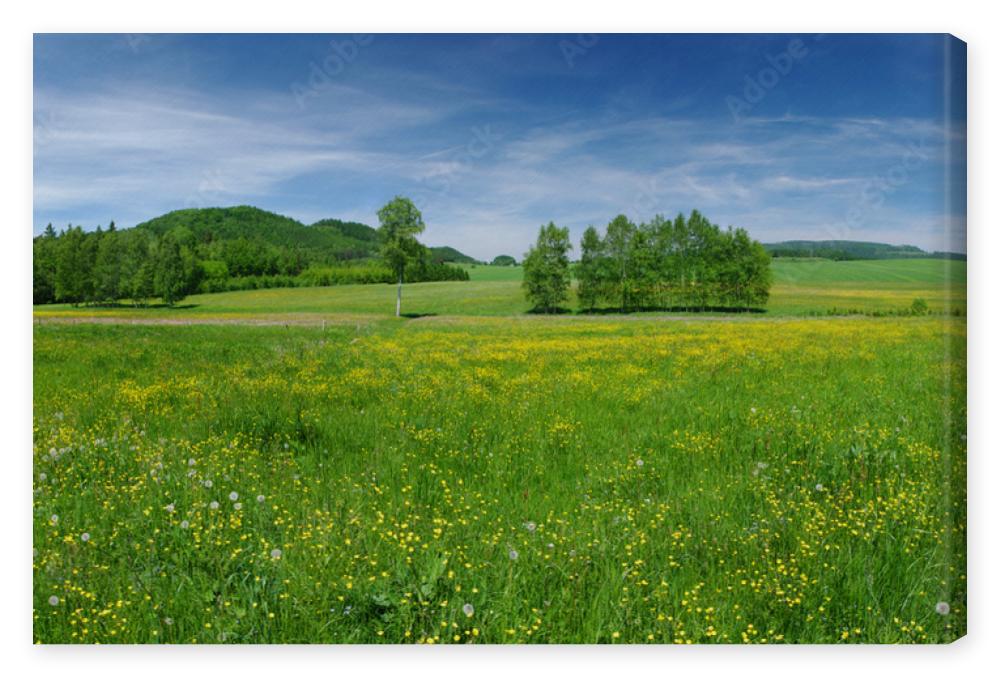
column 143, row 149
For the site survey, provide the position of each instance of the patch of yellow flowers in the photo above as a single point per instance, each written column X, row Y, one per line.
column 572, row 481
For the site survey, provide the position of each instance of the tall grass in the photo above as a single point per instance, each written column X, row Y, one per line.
column 501, row 480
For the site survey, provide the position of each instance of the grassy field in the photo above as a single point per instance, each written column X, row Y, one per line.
column 802, row 287
column 492, row 479
column 478, row 272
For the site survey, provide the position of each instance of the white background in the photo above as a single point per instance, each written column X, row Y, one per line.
column 564, row 664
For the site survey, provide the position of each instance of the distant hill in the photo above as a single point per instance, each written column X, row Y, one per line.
column 450, row 254
column 852, row 249
column 325, row 240
column 351, row 229
column 216, row 249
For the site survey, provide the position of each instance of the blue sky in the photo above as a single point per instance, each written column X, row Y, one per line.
column 792, row 137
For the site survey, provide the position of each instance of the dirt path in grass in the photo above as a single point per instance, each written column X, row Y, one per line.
column 277, row 320
column 333, row 319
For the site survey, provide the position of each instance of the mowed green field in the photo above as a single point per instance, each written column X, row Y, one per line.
column 802, row 287
column 493, row 479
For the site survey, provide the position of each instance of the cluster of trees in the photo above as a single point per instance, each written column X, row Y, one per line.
column 359, row 272
column 504, row 260
column 160, row 259
column 684, row 263
column 108, row 266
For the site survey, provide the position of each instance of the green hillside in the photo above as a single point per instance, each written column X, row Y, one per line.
column 450, row 254
column 326, row 240
column 851, row 249
column 216, row 249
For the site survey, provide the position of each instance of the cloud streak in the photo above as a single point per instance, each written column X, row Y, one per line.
column 486, row 169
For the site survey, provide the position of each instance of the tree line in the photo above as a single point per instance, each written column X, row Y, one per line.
column 136, row 265
column 79, row 267
column 683, row 263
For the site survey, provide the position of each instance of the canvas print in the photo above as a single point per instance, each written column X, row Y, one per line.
column 489, row 339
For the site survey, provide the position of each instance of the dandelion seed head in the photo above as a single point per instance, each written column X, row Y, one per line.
column 85, row 537
column 185, row 524
column 191, row 462
column 530, row 526
column 512, row 554
column 170, row 508
column 942, row 608
column 639, row 462
column 53, row 600
column 237, row 506
column 54, row 518
column 207, row 482
column 233, row 496
column 213, row 504
column 468, row 610
column 819, row 487
column 260, row 499
column 275, row 553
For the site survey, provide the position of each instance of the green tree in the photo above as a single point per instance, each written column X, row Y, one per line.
column 729, row 287
column 661, row 237
column 618, row 246
column 74, row 267
column 546, row 269
column 136, row 272
column 702, row 262
column 43, row 266
column 679, row 259
column 399, row 224
column 107, row 266
column 756, row 271
column 590, row 269
column 643, row 272
column 169, row 278
column 143, row 282
column 504, row 260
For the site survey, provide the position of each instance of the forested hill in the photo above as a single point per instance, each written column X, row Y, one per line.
column 852, row 249
column 209, row 250
column 450, row 254
column 326, row 240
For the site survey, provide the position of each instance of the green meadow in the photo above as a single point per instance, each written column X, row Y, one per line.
column 479, row 475
column 801, row 288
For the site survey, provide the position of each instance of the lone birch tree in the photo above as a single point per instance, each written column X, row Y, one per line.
column 399, row 224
